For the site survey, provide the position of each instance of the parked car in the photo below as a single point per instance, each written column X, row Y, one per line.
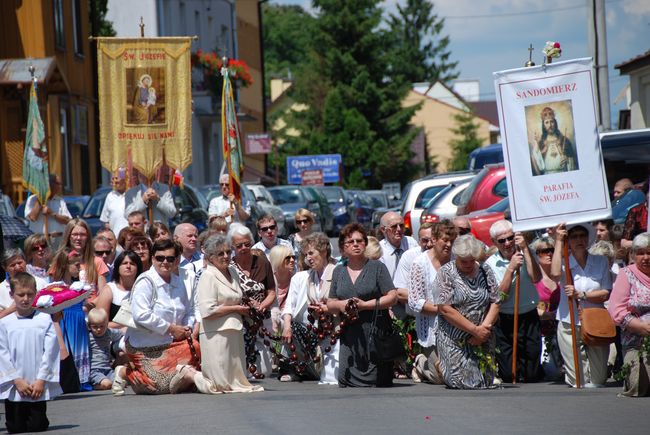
column 381, row 203
column 264, row 200
column 326, row 215
column 211, row 191
column 488, row 187
column 191, row 207
column 417, row 194
column 363, row 207
column 485, row 155
column 76, row 204
column 292, row 198
column 445, row 203
column 342, row 210
column 482, row 220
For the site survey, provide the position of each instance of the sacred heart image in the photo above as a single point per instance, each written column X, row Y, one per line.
column 145, row 95
column 551, row 137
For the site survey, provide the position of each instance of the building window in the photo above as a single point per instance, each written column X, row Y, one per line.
column 77, row 24
column 59, row 33
column 80, row 124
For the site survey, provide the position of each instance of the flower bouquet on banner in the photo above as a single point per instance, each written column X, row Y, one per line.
column 58, row 296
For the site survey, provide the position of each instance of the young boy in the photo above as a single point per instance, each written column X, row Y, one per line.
column 29, row 360
column 101, row 341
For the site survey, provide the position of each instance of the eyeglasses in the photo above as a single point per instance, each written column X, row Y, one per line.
column 425, row 240
column 243, row 245
column 289, row 258
column 79, row 235
column 506, row 239
column 545, row 251
column 269, row 228
column 225, row 253
column 39, row 248
column 394, row 227
column 462, row 231
column 102, row 253
column 162, row 258
column 354, row 242
column 302, row 221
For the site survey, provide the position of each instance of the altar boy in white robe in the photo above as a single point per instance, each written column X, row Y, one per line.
column 29, row 360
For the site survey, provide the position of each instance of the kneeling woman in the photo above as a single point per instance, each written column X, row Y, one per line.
column 468, row 304
column 160, row 350
column 222, row 340
column 309, row 291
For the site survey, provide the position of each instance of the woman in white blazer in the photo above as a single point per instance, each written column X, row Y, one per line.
column 310, row 289
column 223, row 361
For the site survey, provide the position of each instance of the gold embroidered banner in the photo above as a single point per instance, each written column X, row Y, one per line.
column 145, row 103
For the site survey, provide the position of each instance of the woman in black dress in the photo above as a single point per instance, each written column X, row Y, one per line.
column 365, row 281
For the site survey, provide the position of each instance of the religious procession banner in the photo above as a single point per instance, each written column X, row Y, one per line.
column 145, row 103
column 551, row 148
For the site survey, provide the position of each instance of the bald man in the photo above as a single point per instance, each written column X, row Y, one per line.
column 188, row 235
column 395, row 242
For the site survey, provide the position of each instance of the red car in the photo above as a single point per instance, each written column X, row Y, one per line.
column 482, row 220
column 488, row 187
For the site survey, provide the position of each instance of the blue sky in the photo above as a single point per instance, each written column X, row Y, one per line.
column 493, row 35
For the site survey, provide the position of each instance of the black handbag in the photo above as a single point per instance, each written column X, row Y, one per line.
column 385, row 344
column 68, row 374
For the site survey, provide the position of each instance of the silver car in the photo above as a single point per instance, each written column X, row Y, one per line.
column 265, row 201
column 445, row 203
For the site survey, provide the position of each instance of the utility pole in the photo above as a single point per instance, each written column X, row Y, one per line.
column 598, row 51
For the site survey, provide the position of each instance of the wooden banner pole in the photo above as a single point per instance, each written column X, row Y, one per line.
column 574, row 341
column 515, row 330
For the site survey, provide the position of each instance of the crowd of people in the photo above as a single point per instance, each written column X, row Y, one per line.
column 216, row 312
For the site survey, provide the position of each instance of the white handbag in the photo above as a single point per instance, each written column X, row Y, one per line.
column 124, row 315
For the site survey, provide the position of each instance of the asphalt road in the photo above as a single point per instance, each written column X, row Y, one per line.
column 308, row 408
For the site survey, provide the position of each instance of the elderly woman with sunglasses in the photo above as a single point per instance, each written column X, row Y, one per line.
column 38, row 255
column 368, row 283
column 308, row 294
column 258, row 286
column 304, row 220
column 160, row 349
column 592, row 283
column 223, row 365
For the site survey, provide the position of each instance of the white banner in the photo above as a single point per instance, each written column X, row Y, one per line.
column 554, row 165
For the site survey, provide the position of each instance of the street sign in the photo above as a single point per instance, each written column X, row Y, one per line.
column 327, row 163
column 258, row 143
column 312, row 177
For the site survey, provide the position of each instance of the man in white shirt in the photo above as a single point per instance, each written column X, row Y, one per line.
column 267, row 229
column 56, row 211
column 113, row 211
column 188, row 235
column 226, row 205
column 506, row 263
column 395, row 243
column 140, row 197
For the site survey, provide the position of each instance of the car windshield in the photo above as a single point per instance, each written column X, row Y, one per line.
column 427, row 195
column 500, row 206
column 332, row 194
column 467, row 194
column 95, row 205
column 287, row 196
column 438, row 197
column 378, row 199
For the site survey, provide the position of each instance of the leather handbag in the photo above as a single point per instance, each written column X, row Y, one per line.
column 124, row 315
column 385, row 343
column 596, row 327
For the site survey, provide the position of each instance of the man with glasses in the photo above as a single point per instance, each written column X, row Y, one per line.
column 506, row 263
column 226, row 205
column 188, row 237
column 267, row 229
column 104, row 250
column 55, row 210
column 395, row 243
column 113, row 211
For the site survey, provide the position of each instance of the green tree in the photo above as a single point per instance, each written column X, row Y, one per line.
column 354, row 108
column 286, row 33
column 99, row 24
column 420, row 52
column 467, row 141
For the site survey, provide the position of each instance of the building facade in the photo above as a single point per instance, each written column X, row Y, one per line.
column 51, row 35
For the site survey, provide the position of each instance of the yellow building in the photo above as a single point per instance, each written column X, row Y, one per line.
column 52, row 35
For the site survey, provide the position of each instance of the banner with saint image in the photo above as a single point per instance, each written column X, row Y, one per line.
column 145, row 103
column 551, row 148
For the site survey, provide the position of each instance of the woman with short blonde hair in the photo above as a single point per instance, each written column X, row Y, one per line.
column 304, row 220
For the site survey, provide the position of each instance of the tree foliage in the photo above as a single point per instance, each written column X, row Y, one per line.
column 101, row 27
column 467, row 141
column 420, row 52
column 353, row 107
